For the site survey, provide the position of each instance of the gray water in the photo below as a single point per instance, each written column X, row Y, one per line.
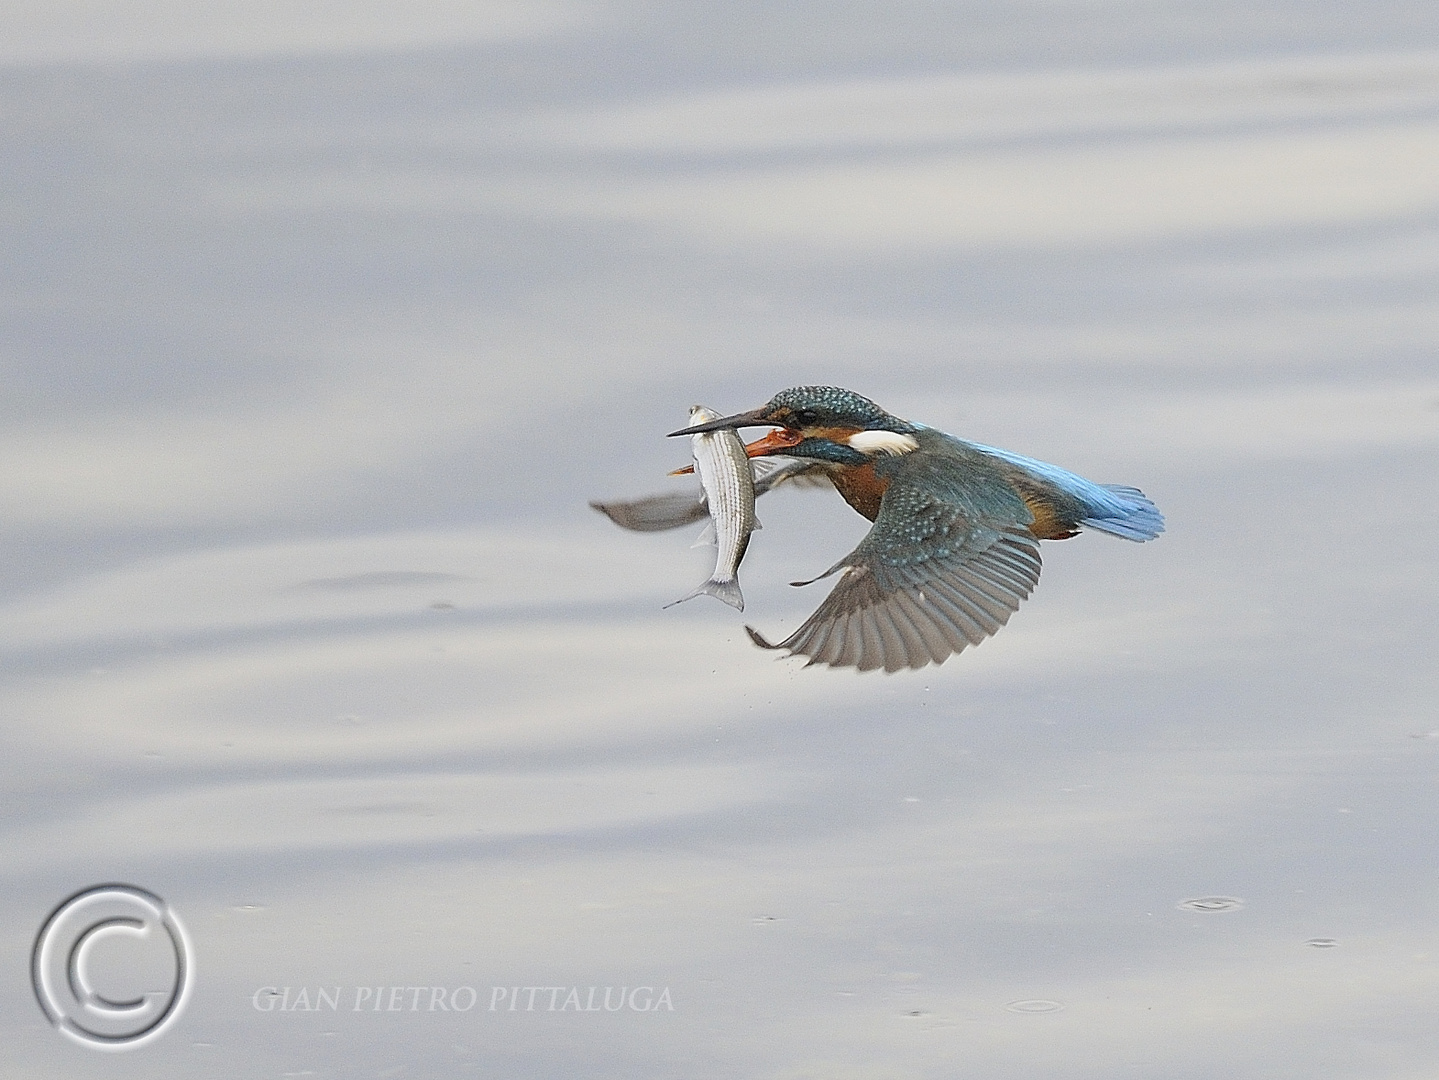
column 321, row 326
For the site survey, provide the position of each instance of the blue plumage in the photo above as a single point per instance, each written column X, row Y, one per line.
column 1119, row 511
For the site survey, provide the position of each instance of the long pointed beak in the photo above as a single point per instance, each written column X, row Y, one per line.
column 753, row 418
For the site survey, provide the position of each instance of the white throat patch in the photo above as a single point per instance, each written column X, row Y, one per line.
column 874, row 443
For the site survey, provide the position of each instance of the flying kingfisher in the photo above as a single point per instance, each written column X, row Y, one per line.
column 955, row 544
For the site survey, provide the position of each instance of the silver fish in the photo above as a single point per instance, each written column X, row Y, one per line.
column 673, row 509
column 725, row 474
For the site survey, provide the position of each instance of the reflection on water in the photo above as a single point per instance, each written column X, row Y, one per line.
column 307, row 626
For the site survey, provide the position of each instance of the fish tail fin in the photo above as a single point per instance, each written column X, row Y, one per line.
column 728, row 591
column 722, row 589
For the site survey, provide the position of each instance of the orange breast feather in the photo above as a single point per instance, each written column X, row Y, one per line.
column 861, row 487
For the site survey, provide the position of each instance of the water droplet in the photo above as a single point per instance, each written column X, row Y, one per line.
column 1209, row 904
column 1034, row 1005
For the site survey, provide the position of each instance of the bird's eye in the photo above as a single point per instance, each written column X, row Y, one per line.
column 806, row 417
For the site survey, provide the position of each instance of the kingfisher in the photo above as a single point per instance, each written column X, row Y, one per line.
column 954, row 548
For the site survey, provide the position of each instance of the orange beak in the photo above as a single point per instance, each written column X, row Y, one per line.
column 776, row 442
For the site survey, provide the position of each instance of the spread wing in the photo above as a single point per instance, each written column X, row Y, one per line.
column 669, row 511
column 941, row 569
column 656, row 512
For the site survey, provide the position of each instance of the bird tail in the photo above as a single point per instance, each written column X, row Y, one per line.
column 1133, row 516
column 726, row 589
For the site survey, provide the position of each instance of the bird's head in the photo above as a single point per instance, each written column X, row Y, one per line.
column 827, row 423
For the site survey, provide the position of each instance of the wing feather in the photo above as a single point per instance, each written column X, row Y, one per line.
column 959, row 595
column 871, row 645
column 979, row 624
column 819, row 641
column 996, row 603
column 926, row 624
column 905, row 640
column 970, row 631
